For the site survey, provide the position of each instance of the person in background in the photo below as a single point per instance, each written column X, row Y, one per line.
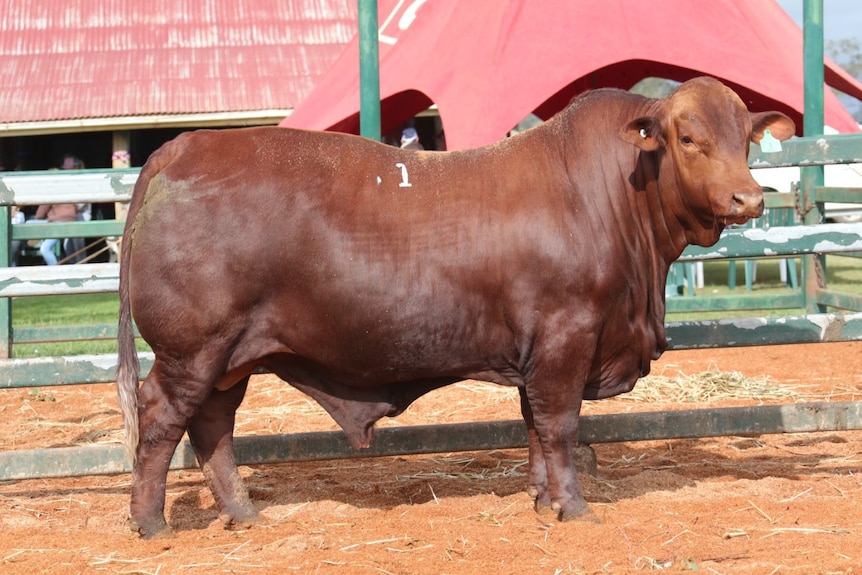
column 410, row 140
column 50, row 213
column 75, row 246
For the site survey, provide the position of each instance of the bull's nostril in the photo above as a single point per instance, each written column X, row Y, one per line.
column 742, row 202
column 746, row 204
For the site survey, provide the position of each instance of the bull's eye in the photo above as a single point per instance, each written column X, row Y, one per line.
column 686, row 140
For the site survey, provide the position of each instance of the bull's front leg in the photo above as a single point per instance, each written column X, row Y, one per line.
column 537, row 479
column 551, row 406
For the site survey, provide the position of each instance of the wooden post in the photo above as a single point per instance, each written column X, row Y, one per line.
column 120, row 160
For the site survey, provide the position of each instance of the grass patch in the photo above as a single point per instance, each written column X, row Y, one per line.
column 843, row 273
column 66, row 310
column 61, row 348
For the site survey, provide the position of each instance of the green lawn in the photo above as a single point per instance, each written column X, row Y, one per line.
column 66, row 310
column 843, row 273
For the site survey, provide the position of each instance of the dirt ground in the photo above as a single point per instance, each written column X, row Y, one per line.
column 773, row 504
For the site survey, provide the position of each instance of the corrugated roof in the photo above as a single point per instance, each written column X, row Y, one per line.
column 114, row 58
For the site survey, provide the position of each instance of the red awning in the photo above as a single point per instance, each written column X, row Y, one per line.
column 487, row 64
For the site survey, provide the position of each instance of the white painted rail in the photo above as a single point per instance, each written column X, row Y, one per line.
column 67, row 187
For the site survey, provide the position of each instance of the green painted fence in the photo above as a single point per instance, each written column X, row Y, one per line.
column 36, row 188
column 810, row 241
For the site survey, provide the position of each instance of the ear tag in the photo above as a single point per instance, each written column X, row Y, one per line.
column 643, row 133
column 769, row 144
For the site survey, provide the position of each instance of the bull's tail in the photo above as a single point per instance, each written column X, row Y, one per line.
column 129, row 368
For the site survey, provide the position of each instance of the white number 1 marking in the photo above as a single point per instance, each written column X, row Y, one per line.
column 405, row 181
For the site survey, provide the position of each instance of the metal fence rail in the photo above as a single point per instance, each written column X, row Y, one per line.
column 453, row 437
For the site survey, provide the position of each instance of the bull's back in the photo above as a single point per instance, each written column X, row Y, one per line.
column 272, row 192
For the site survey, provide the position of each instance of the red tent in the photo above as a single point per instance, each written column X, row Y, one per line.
column 487, row 64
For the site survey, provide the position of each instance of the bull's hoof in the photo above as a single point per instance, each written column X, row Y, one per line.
column 541, row 502
column 152, row 529
column 239, row 518
column 546, row 512
column 580, row 511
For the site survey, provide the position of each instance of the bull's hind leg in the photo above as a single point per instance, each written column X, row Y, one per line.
column 165, row 406
column 211, row 435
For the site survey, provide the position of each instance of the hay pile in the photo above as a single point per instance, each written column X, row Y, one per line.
column 710, row 385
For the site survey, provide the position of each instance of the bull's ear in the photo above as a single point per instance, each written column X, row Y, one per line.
column 780, row 126
column 644, row 132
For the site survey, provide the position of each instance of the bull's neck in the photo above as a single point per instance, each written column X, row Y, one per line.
column 654, row 192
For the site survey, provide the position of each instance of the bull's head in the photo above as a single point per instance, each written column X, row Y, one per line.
column 701, row 134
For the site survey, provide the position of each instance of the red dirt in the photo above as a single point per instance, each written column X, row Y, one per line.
column 773, row 504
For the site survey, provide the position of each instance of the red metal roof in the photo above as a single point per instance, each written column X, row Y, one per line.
column 111, row 58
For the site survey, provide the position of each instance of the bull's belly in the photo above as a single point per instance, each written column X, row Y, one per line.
column 369, row 344
column 375, row 364
column 356, row 346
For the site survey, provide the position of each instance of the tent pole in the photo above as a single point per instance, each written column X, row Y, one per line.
column 369, row 71
column 813, row 266
column 812, row 41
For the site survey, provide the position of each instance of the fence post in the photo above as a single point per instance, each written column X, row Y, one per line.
column 5, row 302
column 813, row 266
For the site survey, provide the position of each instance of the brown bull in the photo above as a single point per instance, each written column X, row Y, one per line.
column 367, row 276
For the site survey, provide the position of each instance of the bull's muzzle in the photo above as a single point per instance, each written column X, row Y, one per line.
column 747, row 204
